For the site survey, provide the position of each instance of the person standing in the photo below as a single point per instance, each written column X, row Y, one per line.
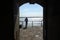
column 26, row 22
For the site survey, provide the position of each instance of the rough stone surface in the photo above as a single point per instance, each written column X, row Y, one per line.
column 35, row 33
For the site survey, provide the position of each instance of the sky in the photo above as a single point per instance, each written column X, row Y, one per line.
column 30, row 10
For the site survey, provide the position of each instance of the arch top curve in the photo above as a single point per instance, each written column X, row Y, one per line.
column 40, row 2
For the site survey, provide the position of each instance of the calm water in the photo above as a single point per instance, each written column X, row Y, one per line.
column 32, row 21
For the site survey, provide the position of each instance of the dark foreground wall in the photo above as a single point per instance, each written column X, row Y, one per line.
column 7, row 22
column 53, row 19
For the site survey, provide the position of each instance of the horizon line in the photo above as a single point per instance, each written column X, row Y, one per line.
column 32, row 17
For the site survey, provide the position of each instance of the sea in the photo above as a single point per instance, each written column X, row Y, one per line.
column 32, row 22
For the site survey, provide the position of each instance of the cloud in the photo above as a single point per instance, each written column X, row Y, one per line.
column 26, row 10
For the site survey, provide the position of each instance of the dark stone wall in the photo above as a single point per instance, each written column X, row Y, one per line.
column 7, row 22
column 52, row 14
column 53, row 17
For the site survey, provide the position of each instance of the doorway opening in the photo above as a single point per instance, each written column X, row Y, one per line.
column 34, row 14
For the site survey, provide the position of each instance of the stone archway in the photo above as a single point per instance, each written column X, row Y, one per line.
column 40, row 2
column 21, row 2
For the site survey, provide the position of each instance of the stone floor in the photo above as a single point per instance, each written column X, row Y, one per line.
column 35, row 33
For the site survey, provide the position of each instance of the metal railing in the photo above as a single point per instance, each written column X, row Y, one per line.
column 37, row 23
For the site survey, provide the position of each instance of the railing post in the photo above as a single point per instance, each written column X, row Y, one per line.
column 41, row 23
column 22, row 23
column 32, row 23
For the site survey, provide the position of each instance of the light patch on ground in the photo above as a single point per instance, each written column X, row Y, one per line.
column 36, row 35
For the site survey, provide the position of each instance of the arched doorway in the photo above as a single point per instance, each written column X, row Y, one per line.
column 34, row 13
column 42, row 3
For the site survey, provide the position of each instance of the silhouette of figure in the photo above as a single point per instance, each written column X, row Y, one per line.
column 26, row 22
